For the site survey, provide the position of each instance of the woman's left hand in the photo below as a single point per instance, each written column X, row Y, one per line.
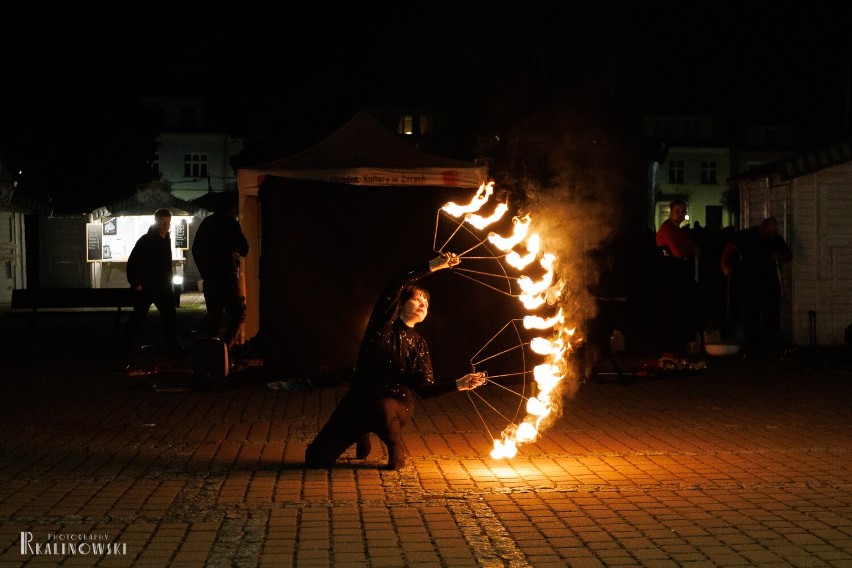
column 471, row 381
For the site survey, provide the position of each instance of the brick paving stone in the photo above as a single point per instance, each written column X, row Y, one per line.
column 748, row 465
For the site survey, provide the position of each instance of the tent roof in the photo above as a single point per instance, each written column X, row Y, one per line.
column 363, row 142
column 146, row 202
column 801, row 164
column 363, row 152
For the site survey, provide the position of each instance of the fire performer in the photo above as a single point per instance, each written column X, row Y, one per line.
column 393, row 364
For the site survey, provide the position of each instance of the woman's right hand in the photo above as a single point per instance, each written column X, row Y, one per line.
column 446, row 260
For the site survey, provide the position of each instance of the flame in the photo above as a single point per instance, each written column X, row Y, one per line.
column 518, row 234
column 537, row 407
column 536, row 322
column 485, row 191
column 526, row 432
column 533, row 246
column 481, row 222
column 534, row 294
column 544, row 346
column 504, row 449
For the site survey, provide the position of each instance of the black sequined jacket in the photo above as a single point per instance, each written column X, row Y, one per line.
column 394, row 359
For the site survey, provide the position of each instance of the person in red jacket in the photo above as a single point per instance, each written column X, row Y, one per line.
column 677, row 286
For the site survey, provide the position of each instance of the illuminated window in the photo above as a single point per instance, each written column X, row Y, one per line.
column 195, row 165
column 708, row 172
column 406, row 124
column 425, row 124
column 675, row 171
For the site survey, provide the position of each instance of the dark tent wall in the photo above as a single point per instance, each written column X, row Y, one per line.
column 361, row 152
column 328, row 251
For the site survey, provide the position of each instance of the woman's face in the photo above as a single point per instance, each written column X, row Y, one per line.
column 415, row 308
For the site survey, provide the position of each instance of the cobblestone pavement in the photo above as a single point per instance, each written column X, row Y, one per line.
column 745, row 464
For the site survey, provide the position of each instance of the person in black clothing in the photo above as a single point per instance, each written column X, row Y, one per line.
column 752, row 257
column 218, row 245
column 393, row 364
column 149, row 272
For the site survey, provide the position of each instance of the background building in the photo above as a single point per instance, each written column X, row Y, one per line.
column 191, row 157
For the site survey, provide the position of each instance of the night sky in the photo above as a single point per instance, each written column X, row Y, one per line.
column 297, row 72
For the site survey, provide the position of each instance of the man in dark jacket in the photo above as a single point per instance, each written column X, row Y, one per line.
column 753, row 258
column 149, row 272
column 218, row 245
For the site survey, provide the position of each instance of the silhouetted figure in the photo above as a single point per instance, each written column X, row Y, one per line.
column 218, row 245
column 758, row 251
column 150, row 272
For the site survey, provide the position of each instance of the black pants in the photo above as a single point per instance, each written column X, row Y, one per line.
column 357, row 415
column 163, row 298
column 677, row 305
column 225, row 302
column 762, row 317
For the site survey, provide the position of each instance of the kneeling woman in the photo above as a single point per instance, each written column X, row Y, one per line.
column 392, row 365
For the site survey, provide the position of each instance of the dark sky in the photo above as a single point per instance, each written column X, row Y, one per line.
column 285, row 63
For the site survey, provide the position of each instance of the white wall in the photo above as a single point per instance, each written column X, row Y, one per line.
column 219, row 149
column 12, row 257
column 63, row 252
column 823, row 230
column 815, row 212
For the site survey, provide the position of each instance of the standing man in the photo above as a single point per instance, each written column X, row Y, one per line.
column 219, row 243
column 677, row 286
column 149, row 272
column 760, row 249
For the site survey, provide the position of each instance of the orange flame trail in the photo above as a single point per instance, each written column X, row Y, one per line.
column 554, row 349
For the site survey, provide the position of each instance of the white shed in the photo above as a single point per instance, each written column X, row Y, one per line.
column 811, row 196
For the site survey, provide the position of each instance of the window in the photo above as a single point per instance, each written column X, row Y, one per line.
column 675, row 171
column 425, row 124
column 708, row 172
column 155, row 164
column 406, row 124
column 195, row 165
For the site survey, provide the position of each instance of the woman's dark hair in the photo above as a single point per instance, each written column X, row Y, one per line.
column 409, row 291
